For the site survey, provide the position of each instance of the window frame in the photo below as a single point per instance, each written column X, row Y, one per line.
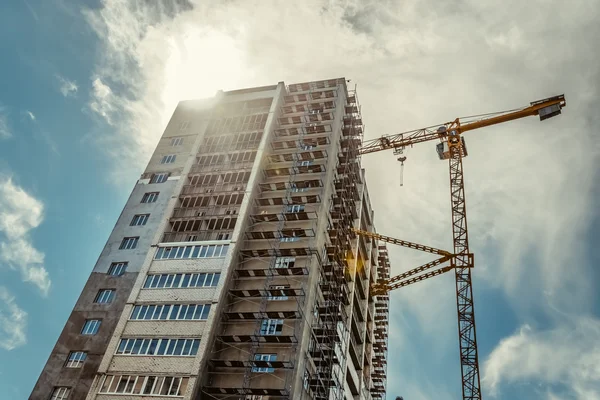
column 168, row 159
column 278, row 298
column 159, row 177
column 176, row 141
column 75, row 359
column 285, row 261
column 153, row 196
column 96, row 323
column 129, row 243
column 271, row 327
column 119, row 266
column 60, row 393
column 105, row 296
column 139, row 220
column 264, row 357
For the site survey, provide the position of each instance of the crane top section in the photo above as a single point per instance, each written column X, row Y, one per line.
column 545, row 109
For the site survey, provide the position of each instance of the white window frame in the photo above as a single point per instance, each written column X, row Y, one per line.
column 172, row 312
column 168, row 159
column 184, row 125
column 177, row 141
column 276, row 287
column 105, row 296
column 284, row 262
column 117, row 268
column 268, row 327
column 129, row 243
column 289, row 239
column 75, row 359
column 91, row 327
column 192, row 280
column 264, row 357
column 139, row 220
column 60, row 393
column 296, row 189
column 188, row 347
column 149, row 197
column 295, row 208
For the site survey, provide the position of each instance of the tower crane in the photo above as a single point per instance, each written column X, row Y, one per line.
column 452, row 147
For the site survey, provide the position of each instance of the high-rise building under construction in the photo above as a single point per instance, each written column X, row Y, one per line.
column 232, row 272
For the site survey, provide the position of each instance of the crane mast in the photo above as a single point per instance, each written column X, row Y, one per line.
column 453, row 148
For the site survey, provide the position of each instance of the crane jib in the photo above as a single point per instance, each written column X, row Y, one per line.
column 461, row 259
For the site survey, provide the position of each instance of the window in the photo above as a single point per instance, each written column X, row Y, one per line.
column 277, row 290
column 295, row 208
column 150, row 197
column 117, row 269
column 158, row 347
column 175, row 312
column 184, row 125
column 91, row 326
column 105, row 296
column 295, row 188
column 198, row 251
column 285, row 262
column 306, row 380
column 223, row 236
column 139, row 220
column 178, row 141
column 289, row 239
column 60, row 393
column 169, row 159
column 271, row 327
column 76, row 359
column 305, row 163
column 144, row 385
column 160, row 281
column 159, row 177
column 129, row 243
column 264, row 357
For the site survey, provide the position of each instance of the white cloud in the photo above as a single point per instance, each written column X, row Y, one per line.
column 566, row 359
column 528, row 184
column 13, row 322
column 104, row 102
column 67, row 86
column 19, row 214
column 5, row 132
column 30, row 115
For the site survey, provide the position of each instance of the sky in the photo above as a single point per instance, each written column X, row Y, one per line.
column 87, row 88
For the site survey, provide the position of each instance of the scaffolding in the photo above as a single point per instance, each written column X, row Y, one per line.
column 292, row 271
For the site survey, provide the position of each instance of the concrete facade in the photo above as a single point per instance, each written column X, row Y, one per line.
column 246, row 281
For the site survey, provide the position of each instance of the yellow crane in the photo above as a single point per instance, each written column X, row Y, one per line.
column 452, row 147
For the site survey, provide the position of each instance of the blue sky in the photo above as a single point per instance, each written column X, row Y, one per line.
column 87, row 87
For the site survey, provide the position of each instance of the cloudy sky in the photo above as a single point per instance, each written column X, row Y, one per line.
column 87, row 88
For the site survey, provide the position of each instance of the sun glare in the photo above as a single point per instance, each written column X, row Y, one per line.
column 199, row 64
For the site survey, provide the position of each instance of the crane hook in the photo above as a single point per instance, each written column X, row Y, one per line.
column 402, row 159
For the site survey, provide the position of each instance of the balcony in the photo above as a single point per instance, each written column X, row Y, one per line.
column 285, row 199
column 289, row 234
column 294, row 186
column 307, row 108
column 300, row 143
column 306, row 155
column 294, row 170
column 257, row 293
column 311, row 128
